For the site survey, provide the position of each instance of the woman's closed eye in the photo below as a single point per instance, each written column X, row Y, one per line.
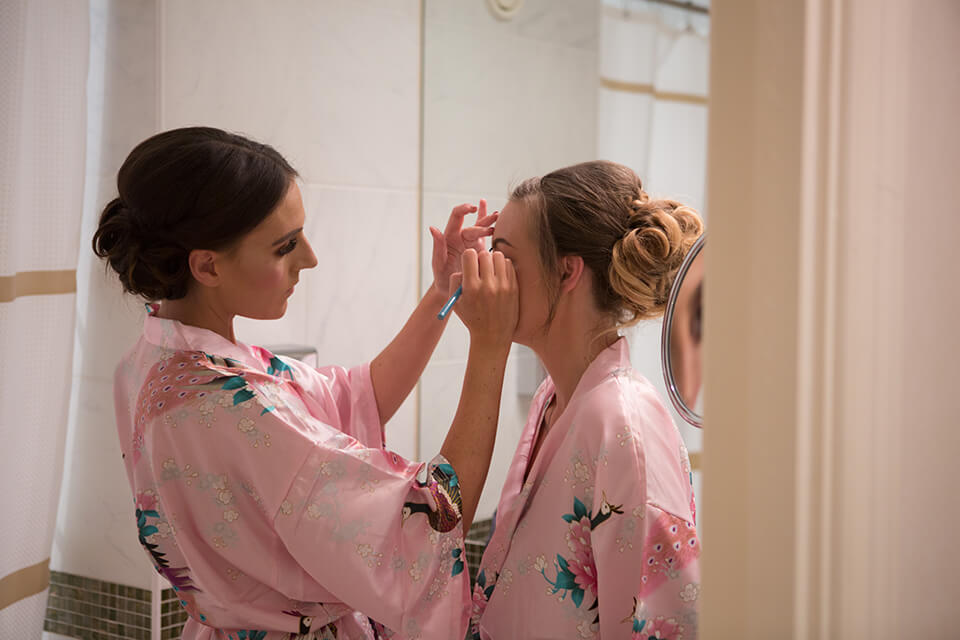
column 287, row 248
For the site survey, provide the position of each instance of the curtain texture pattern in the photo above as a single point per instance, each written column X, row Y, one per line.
column 43, row 71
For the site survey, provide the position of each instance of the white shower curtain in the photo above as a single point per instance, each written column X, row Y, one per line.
column 652, row 117
column 43, row 71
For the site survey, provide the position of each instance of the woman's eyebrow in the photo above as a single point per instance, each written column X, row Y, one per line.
column 503, row 240
column 287, row 237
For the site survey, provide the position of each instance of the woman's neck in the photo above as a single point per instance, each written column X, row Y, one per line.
column 566, row 352
column 196, row 312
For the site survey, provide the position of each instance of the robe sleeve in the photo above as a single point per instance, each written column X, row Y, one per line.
column 351, row 392
column 647, row 572
column 257, row 482
column 382, row 539
column 346, row 394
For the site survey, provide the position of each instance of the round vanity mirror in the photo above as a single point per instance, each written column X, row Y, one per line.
column 681, row 346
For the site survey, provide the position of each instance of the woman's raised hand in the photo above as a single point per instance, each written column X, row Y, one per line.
column 449, row 245
column 490, row 304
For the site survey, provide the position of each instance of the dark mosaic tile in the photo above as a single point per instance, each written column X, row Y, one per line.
column 64, row 591
column 81, row 607
column 480, row 530
column 170, row 620
column 55, row 627
column 474, row 554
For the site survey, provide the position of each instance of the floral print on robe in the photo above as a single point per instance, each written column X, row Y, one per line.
column 599, row 541
column 264, row 495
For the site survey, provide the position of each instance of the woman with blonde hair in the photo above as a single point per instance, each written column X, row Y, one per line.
column 595, row 533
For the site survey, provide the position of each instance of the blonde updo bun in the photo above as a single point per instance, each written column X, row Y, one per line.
column 646, row 259
column 633, row 245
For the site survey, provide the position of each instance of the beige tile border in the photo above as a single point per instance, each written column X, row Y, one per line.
column 24, row 583
column 37, row 283
column 649, row 89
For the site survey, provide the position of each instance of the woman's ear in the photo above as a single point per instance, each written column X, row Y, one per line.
column 203, row 266
column 571, row 272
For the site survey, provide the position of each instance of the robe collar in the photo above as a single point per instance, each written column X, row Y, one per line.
column 177, row 336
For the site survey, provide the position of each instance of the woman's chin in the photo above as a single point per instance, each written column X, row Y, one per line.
column 273, row 313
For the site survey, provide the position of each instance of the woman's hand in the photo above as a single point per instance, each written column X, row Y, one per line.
column 450, row 245
column 490, row 304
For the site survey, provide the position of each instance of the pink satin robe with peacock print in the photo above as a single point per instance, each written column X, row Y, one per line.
column 263, row 493
column 599, row 540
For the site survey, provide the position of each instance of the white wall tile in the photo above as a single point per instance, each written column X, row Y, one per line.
column 683, row 63
column 364, row 287
column 678, row 153
column 628, row 46
column 122, row 82
column 333, row 86
column 401, row 430
column 624, row 128
column 504, row 111
column 570, row 23
column 440, row 394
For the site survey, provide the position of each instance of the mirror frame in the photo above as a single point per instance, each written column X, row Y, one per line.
column 685, row 412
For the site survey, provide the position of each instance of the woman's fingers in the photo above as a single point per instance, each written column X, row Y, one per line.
column 490, row 303
column 439, row 246
column 486, row 221
column 499, row 267
column 469, row 261
column 511, row 274
column 474, row 234
column 455, row 221
column 485, row 260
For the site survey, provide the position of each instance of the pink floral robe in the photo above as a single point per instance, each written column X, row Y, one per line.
column 599, row 541
column 265, row 497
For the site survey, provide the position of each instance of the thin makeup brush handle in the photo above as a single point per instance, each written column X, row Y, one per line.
column 449, row 305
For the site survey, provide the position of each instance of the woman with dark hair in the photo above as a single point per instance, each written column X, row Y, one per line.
column 595, row 534
column 262, row 488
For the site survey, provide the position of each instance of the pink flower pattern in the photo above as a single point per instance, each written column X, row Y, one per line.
column 661, row 628
column 146, row 500
column 577, row 576
column 479, row 606
column 582, row 565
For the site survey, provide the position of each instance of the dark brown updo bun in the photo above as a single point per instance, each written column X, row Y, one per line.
column 180, row 190
column 633, row 245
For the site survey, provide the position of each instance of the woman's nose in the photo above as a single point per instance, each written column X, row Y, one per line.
column 310, row 259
